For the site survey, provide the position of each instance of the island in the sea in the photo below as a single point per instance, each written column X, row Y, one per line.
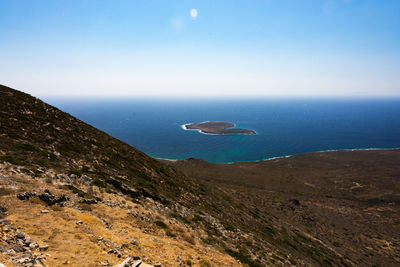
column 217, row 127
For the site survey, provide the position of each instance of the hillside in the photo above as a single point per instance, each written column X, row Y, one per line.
column 107, row 201
column 349, row 201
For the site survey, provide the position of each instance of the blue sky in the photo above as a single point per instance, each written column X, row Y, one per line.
column 232, row 48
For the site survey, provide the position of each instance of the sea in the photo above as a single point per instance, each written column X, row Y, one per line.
column 284, row 127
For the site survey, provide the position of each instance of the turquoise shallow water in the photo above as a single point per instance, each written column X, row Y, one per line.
column 283, row 126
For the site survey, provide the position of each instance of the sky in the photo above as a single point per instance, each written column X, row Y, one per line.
column 224, row 48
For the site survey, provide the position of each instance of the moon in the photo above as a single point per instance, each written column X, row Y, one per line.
column 193, row 13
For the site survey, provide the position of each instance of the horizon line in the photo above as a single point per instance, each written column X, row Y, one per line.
column 195, row 96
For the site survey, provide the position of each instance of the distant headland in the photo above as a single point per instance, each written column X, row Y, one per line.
column 216, row 127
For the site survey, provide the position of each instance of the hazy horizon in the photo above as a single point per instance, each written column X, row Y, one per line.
column 201, row 49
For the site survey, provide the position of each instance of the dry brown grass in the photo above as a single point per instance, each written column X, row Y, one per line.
column 75, row 244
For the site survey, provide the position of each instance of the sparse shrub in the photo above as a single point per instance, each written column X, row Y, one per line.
column 161, row 224
column 197, row 218
column 179, row 230
column 37, row 173
column 36, row 200
column 243, row 256
column 179, row 217
column 5, row 191
column 85, row 168
column 189, row 239
column 77, row 191
column 78, row 236
column 84, row 206
column 27, row 147
column 12, row 160
column 336, row 244
column 51, row 156
column 228, row 226
column 67, row 149
column 24, row 170
column 56, row 208
column 109, row 190
column 188, row 262
column 169, row 233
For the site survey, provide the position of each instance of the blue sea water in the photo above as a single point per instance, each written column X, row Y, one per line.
column 283, row 126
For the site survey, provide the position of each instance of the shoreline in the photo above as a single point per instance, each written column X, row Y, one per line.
column 288, row 156
column 183, row 126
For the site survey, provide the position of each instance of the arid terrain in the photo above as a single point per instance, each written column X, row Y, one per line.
column 71, row 195
column 347, row 200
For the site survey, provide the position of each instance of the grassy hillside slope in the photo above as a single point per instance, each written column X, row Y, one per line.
column 321, row 209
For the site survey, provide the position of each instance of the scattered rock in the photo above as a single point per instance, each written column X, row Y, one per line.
column 47, row 197
column 294, row 201
column 125, row 263
column 106, row 223
column 34, row 245
column 62, row 176
column 115, row 251
column 26, row 195
column 308, row 218
column 44, row 248
column 131, row 212
column 4, row 221
column 3, row 211
column 154, row 239
column 44, row 211
column 88, row 201
column 20, row 235
column 17, row 248
column 24, row 260
column 28, row 241
column 129, row 262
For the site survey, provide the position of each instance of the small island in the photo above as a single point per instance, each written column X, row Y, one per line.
column 217, row 127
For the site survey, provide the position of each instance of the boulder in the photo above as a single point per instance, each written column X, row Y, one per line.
column 26, row 195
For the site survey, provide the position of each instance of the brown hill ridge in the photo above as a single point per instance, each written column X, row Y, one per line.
column 71, row 195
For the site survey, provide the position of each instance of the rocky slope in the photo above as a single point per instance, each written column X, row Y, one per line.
column 131, row 196
column 107, row 202
column 48, row 225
